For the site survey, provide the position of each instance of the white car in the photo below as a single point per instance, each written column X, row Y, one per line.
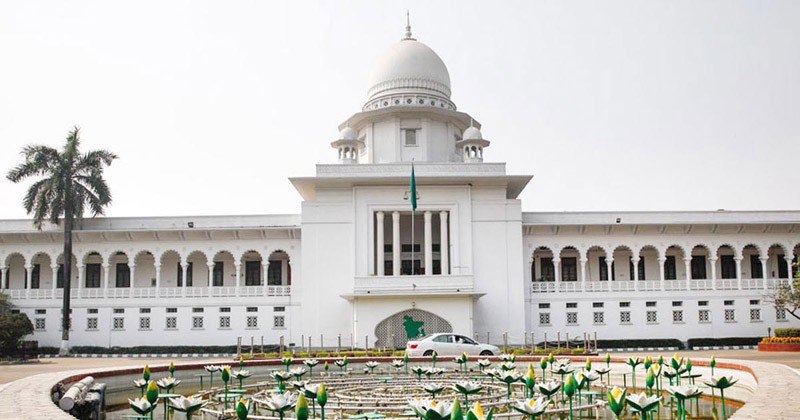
column 448, row 344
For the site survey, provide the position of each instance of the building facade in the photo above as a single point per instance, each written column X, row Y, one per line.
column 359, row 267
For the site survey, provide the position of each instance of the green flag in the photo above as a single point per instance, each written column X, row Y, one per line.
column 413, row 189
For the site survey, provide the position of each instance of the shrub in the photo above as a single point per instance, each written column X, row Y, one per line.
column 153, row 350
column 579, row 350
column 781, row 340
column 323, row 354
column 399, row 353
column 787, row 332
column 359, row 353
column 12, row 328
column 654, row 343
column 726, row 341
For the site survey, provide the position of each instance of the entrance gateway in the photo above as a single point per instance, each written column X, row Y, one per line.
column 398, row 329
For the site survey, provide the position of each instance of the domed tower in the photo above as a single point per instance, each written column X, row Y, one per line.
column 348, row 145
column 408, row 114
column 409, row 73
column 471, row 145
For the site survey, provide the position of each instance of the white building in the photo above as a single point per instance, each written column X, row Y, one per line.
column 347, row 265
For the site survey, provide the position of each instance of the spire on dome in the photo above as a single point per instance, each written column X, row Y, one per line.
column 408, row 26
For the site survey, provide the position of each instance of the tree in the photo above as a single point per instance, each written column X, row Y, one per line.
column 68, row 182
column 13, row 326
column 787, row 296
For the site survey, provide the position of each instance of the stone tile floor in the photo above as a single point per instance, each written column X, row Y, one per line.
column 28, row 396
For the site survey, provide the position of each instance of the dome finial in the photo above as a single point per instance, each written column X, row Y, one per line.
column 408, row 26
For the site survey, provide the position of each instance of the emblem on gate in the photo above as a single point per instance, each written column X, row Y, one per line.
column 413, row 328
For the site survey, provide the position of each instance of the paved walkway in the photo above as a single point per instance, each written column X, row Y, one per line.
column 771, row 399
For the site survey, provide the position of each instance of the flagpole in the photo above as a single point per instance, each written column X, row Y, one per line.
column 413, row 196
column 412, row 240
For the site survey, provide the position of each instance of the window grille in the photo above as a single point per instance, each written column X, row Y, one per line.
column 544, row 318
column 224, row 322
column 197, row 322
column 704, row 316
column 652, row 317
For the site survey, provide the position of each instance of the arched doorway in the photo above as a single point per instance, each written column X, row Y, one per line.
column 397, row 329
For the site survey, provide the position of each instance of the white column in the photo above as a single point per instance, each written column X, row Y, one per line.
column 4, row 277
column 396, row 243
column 583, row 273
column 185, row 269
column 610, row 269
column 264, row 272
column 81, row 275
column 158, row 277
column 133, row 274
column 763, row 271
column 210, row 273
column 635, row 278
column 428, row 244
column 661, row 262
column 238, row 267
column 583, row 262
column 789, row 271
column 444, row 243
column 687, row 262
column 29, row 270
column 284, row 272
column 738, row 261
column 379, row 240
column 106, row 275
column 53, row 267
column 713, row 263
column 557, row 271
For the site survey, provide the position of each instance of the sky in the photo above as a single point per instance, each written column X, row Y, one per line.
column 212, row 106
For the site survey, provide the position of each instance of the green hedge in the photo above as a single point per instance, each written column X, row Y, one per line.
column 632, row 344
column 787, row 332
column 153, row 349
column 726, row 341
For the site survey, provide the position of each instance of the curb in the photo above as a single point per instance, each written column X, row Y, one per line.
column 640, row 349
column 635, row 349
column 137, row 356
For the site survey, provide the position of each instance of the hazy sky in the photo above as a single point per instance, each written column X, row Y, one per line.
column 630, row 105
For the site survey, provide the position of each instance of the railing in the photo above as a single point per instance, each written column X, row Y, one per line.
column 418, row 284
column 655, row 285
column 650, row 285
column 697, row 284
column 150, row 292
column 543, row 287
column 672, row 285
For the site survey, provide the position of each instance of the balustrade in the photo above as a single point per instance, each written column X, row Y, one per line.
column 150, row 292
column 655, row 285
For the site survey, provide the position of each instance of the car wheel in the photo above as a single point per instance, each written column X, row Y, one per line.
column 428, row 353
column 487, row 353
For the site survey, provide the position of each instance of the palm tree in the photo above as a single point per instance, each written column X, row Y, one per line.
column 68, row 182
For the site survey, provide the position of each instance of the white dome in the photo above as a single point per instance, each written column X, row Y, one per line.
column 472, row 133
column 409, row 66
column 348, row 133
